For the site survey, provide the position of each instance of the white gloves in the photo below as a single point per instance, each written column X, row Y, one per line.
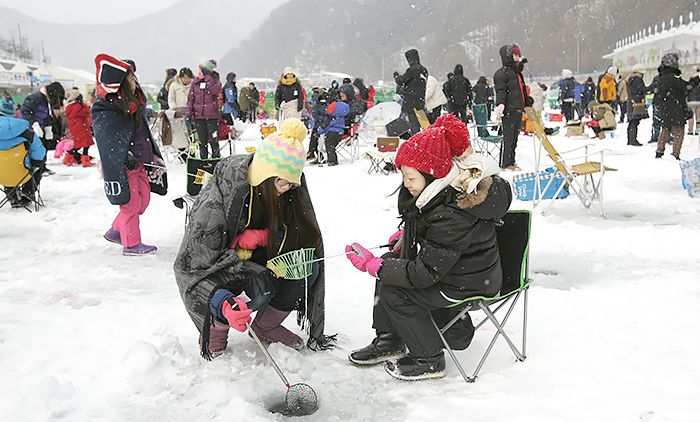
column 48, row 133
column 499, row 111
column 37, row 129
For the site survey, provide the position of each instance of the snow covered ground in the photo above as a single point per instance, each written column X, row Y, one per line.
column 89, row 335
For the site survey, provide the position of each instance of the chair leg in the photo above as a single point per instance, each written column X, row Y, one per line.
column 525, row 323
column 499, row 326
column 467, row 379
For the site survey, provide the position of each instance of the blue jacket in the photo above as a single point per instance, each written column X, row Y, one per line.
column 578, row 92
column 338, row 110
column 16, row 131
column 35, row 108
column 230, row 99
column 567, row 87
column 113, row 134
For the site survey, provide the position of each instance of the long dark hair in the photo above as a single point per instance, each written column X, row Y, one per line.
column 292, row 209
column 130, row 104
column 409, row 215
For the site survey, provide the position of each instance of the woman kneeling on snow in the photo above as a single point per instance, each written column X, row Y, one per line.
column 447, row 251
column 254, row 208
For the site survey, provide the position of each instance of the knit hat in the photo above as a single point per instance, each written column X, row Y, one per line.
column 208, row 66
column 515, row 49
column 670, row 60
column 110, row 74
column 72, row 95
column 566, row 73
column 280, row 154
column 613, row 71
column 432, row 150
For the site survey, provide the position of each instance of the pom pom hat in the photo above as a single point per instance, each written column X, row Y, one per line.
column 281, row 154
column 432, row 150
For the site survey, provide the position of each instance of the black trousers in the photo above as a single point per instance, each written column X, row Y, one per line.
column 413, row 123
column 632, row 128
column 460, row 112
column 512, row 122
column 623, row 111
column 313, row 141
column 207, row 132
column 568, row 110
column 434, row 114
column 332, row 141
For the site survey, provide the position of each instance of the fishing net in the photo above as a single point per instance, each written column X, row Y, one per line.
column 293, row 265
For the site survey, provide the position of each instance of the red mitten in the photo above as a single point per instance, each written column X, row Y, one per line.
column 250, row 239
column 237, row 318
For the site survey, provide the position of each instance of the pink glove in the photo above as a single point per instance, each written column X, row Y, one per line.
column 499, row 111
column 363, row 259
column 394, row 243
column 237, row 318
column 250, row 239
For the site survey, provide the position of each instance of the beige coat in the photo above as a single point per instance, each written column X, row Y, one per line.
column 434, row 97
column 177, row 95
column 622, row 90
column 603, row 113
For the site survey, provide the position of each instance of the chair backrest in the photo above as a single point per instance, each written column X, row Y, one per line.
column 513, row 244
column 12, row 168
column 481, row 118
column 536, row 122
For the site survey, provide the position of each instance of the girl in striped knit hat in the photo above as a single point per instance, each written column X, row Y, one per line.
column 255, row 208
column 445, row 252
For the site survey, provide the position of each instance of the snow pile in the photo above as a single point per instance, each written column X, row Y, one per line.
column 87, row 334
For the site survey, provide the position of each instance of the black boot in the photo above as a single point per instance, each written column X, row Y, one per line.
column 412, row 368
column 385, row 347
column 634, row 143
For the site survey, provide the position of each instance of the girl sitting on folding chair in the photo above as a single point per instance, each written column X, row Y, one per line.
column 447, row 251
column 255, row 208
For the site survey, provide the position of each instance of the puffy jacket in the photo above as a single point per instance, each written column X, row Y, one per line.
column 178, row 93
column 604, row 115
column 694, row 89
column 231, row 98
column 454, row 243
column 607, row 88
column 566, row 90
column 588, row 91
column 636, row 90
column 202, row 100
column 338, row 110
column 286, row 93
column 482, row 93
column 510, row 84
column 622, row 91
column 243, row 100
column 412, row 83
column 670, row 97
column 16, row 131
column 458, row 88
column 434, row 97
column 79, row 124
column 35, row 108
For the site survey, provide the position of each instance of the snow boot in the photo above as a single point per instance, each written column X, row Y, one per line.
column 411, row 368
column 140, row 249
column 85, row 161
column 268, row 326
column 385, row 347
column 634, row 143
column 113, row 236
column 218, row 338
column 69, row 160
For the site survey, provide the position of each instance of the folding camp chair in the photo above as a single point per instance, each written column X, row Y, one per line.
column 349, row 145
column 15, row 177
column 484, row 141
column 513, row 243
column 585, row 180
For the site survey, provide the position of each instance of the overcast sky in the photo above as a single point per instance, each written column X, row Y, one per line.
column 86, row 11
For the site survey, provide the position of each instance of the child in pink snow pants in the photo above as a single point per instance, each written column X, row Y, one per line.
column 127, row 221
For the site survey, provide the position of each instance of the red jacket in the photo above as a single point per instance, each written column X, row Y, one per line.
column 79, row 123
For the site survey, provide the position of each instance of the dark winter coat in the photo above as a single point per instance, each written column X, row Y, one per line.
column 670, row 97
column 694, row 89
column 458, row 89
column 482, row 92
column 203, row 98
column 319, row 108
column 588, row 91
column 357, row 83
column 357, row 106
column 205, row 264
column 567, row 88
column 456, row 243
column 35, row 108
column 636, row 91
column 510, row 84
column 412, row 83
column 79, row 124
column 114, row 134
column 286, row 93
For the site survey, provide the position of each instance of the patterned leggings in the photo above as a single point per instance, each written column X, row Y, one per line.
column 677, row 133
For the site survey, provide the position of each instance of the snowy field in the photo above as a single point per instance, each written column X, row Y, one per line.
column 87, row 334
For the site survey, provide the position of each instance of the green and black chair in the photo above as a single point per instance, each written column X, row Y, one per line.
column 484, row 141
column 513, row 243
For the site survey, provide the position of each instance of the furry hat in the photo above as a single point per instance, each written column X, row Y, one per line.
column 670, row 60
column 72, row 95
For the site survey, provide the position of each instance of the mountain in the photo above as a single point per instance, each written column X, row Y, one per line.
column 367, row 38
column 181, row 35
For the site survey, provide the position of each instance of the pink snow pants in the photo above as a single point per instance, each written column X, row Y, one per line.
column 127, row 221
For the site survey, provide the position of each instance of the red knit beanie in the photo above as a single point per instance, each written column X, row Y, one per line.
column 431, row 151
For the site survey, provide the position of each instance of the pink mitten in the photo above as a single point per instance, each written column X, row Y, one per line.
column 373, row 266
column 395, row 241
column 358, row 256
column 237, row 318
column 250, row 239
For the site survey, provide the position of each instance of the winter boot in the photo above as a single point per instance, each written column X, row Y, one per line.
column 69, row 160
column 85, row 161
column 113, row 236
column 411, row 368
column 385, row 347
column 218, row 338
column 140, row 249
column 268, row 326
column 634, row 143
column 659, row 154
column 601, row 135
